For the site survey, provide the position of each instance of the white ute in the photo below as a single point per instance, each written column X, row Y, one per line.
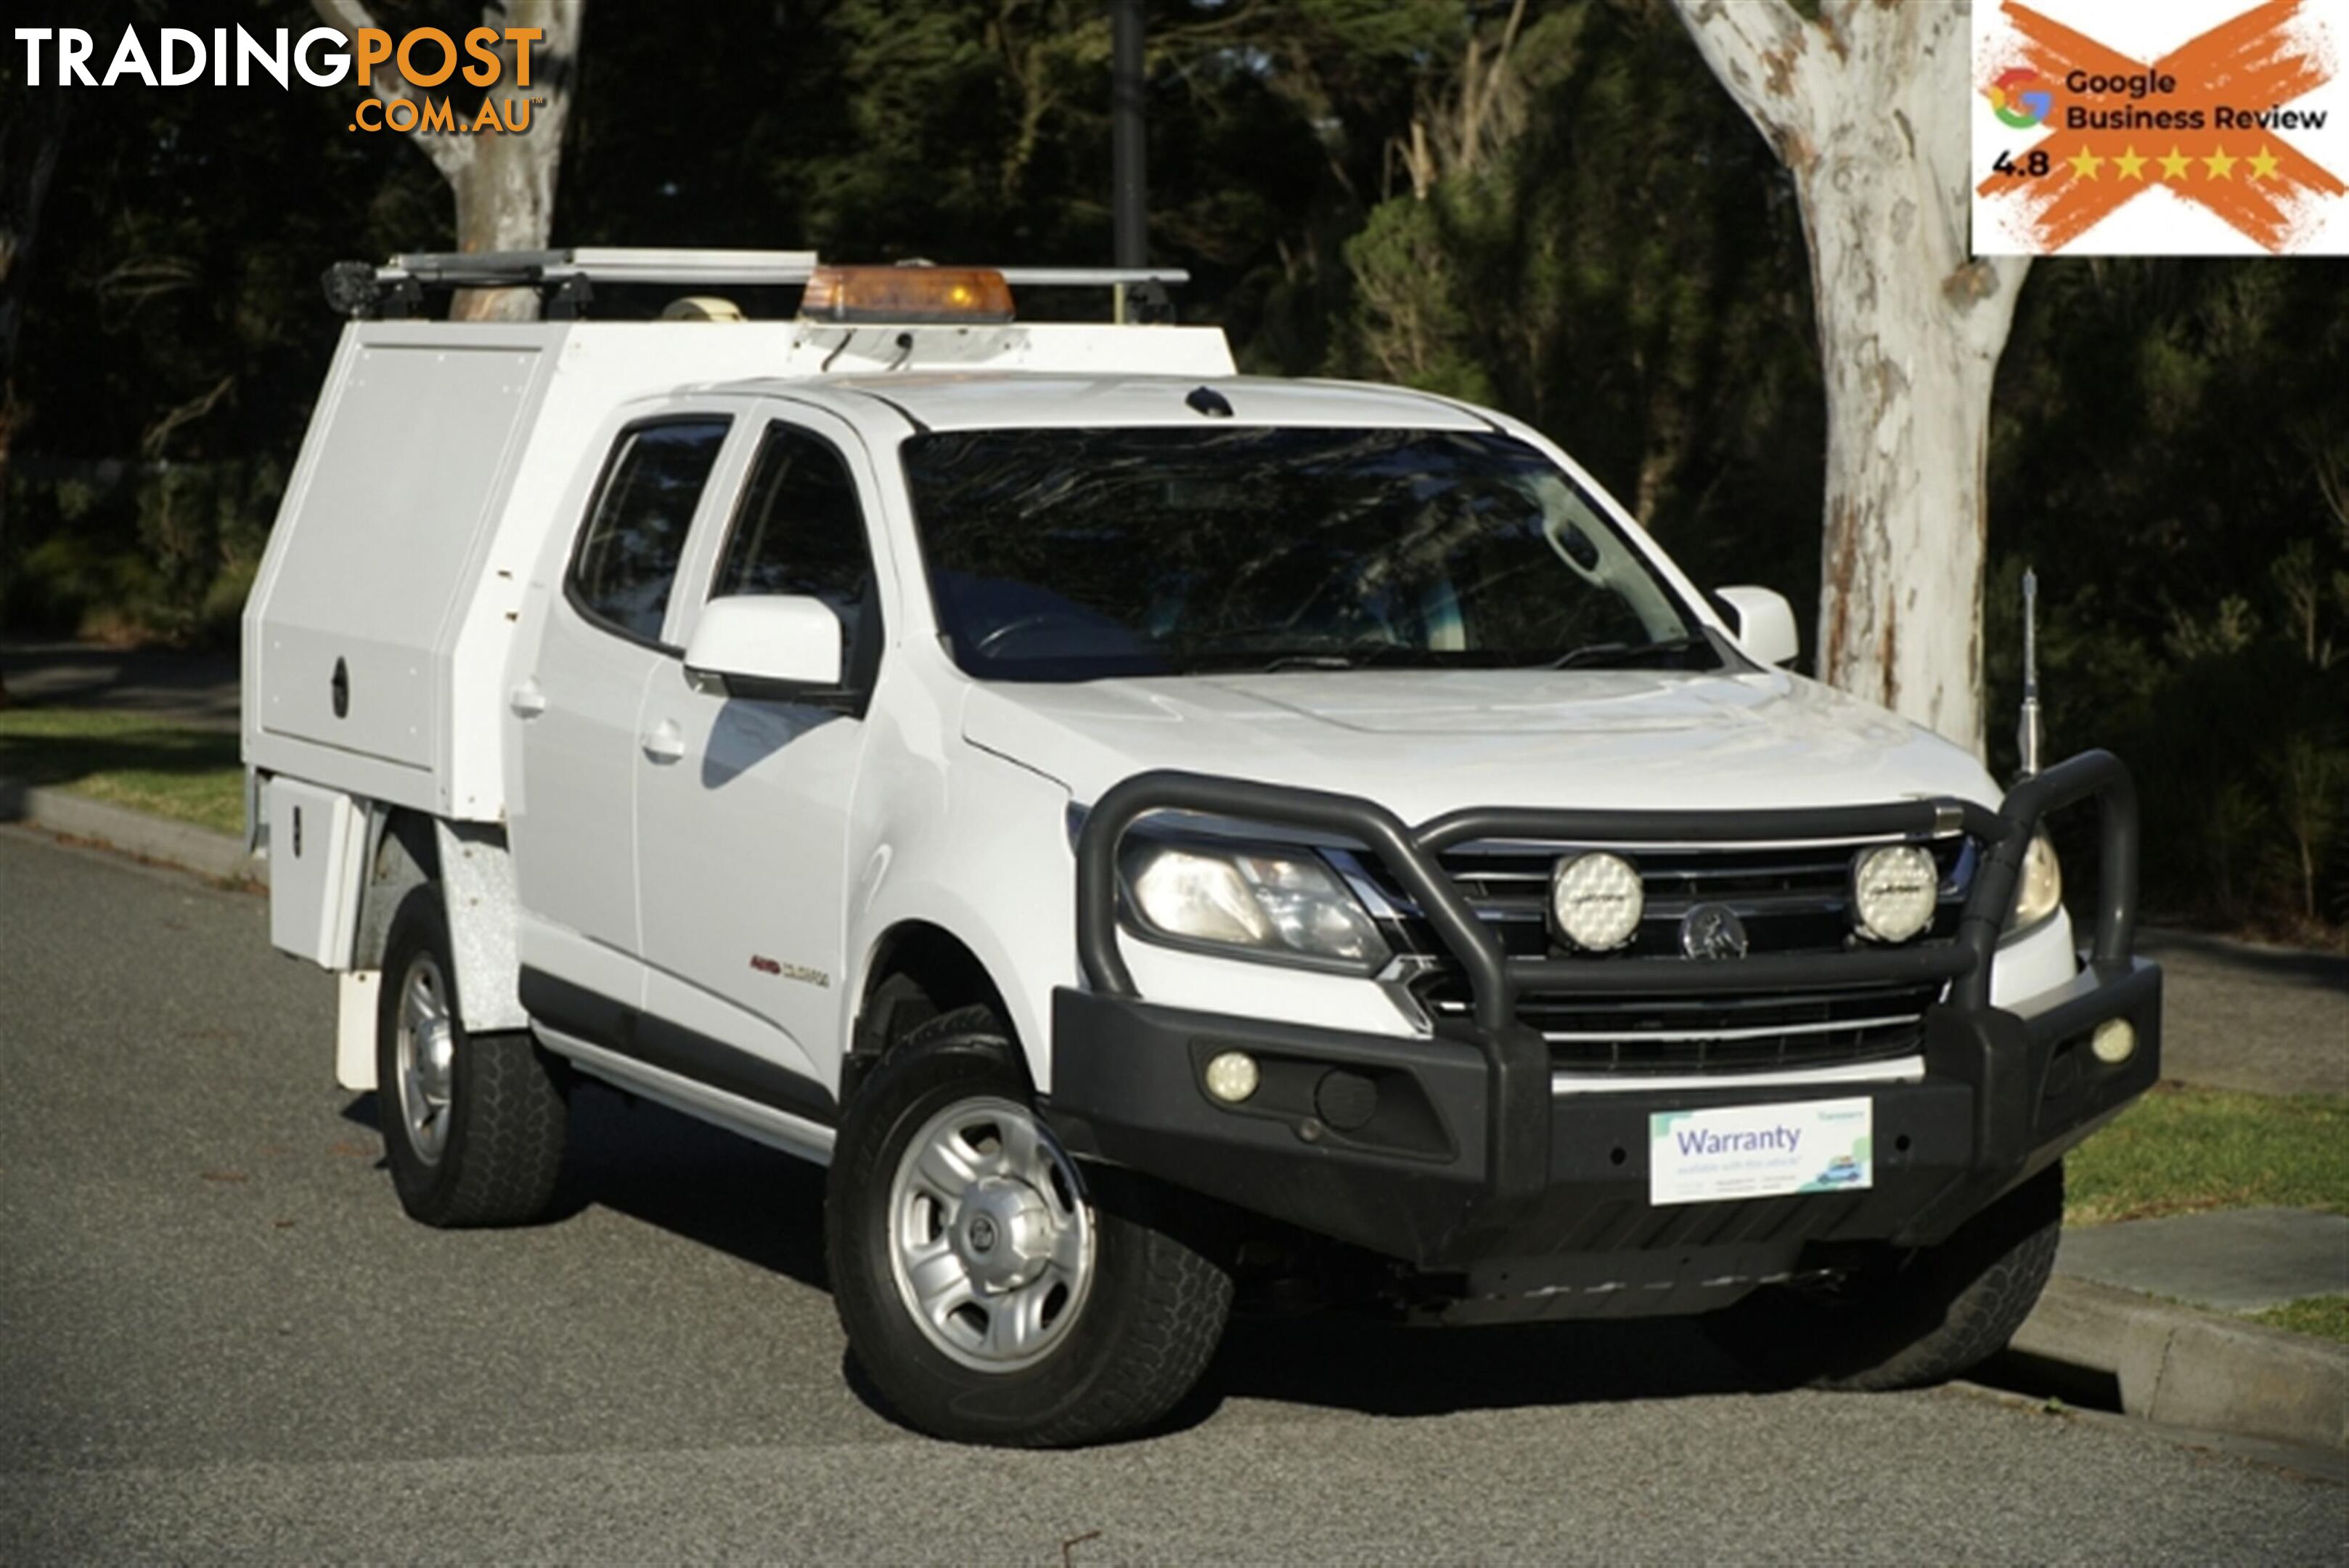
column 1158, row 835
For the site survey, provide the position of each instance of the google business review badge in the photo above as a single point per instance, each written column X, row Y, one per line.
column 2187, row 128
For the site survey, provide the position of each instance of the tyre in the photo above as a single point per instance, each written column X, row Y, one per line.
column 1908, row 1317
column 473, row 1124
column 984, row 1291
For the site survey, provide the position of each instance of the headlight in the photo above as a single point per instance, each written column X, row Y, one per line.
column 1894, row 888
column 2038, row 885
column 1277, row 905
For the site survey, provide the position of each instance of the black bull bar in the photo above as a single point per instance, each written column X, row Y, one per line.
column 1966, row 1038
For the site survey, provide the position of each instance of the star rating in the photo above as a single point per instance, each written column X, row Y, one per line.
column 2176, row 166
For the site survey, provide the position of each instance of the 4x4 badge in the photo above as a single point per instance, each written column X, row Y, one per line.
column 1712, row 931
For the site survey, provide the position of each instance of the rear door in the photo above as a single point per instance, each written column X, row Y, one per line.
column 575, row 703
column 742, row 824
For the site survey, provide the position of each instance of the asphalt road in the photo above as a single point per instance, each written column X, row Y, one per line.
column 219, row 1337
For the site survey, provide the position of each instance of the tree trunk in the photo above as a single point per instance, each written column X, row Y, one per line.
column 30, row 142
column 503, row 181
column 1866, row 107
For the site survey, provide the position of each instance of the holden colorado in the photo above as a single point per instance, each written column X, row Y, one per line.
column 1169, row 841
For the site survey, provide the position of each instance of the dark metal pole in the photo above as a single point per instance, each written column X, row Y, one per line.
column 1128, row 194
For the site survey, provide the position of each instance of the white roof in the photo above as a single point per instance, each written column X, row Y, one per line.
column 988, row 400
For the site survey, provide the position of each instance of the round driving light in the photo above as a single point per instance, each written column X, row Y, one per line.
column 1232, row 1077
column 1595, row 901
column 1893, row 889
column 2115, row 1042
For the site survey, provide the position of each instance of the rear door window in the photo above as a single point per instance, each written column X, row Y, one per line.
column 635, row 534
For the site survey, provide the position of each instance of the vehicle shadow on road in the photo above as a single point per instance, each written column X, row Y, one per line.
column 688, row 1177
column 766, row 1208
column 1337, row 1361
column 695, row 1180
column 1341, row 1361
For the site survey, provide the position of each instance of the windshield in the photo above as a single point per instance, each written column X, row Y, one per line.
column 1072, row 554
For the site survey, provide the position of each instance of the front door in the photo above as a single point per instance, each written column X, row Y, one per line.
column 742, row 831
column 575, row 702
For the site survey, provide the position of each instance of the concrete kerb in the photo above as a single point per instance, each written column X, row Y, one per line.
column 219, row 855
column 2175, row 1365
column 2181, row 1366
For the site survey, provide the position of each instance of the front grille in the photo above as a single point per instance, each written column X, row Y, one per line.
column 1659, row 1034
column 1792, row 899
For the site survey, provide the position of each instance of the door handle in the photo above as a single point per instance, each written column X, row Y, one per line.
column 663, row 742
column 527, row 701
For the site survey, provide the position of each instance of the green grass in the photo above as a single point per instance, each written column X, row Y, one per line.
column 128, row 759
column 2326, row 1317
column 2182, row 1150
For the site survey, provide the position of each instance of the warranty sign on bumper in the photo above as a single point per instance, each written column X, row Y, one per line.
column 1760, row 1151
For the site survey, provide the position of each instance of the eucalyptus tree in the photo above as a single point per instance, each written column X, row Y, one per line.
column 504, row 179
column 1866, row 105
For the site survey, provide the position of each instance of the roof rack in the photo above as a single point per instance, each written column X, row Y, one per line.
column 566, row 279
column 511, row 269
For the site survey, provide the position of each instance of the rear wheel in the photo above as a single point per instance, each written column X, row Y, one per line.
column 1908, row 1317
column 982, row 1289
column 473, row 1124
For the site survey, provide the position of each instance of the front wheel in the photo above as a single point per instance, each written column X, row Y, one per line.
column 1907, row 1318
column 982, row 1289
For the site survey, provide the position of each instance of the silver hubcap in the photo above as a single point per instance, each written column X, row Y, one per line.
column 425, row 1055
column 991, row 1241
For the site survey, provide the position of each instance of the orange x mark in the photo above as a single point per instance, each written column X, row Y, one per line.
column 2250, row 63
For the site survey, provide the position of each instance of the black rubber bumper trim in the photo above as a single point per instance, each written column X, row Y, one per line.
column 1126, row 1088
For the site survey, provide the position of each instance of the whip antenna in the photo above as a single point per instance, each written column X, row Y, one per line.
column 2027, row 735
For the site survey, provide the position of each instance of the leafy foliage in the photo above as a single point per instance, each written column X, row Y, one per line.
column 2169, row 439
column 1626, row 272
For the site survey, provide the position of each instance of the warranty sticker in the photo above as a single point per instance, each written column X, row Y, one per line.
column 1760, row 1151
column 2187, row 127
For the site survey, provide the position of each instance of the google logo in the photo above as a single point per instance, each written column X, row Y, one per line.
column 2019, row 105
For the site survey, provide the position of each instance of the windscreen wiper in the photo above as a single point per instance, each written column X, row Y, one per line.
column 1369, row 651
column 1623, row 655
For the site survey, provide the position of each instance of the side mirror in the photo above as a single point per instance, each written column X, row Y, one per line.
column 774, row 646
column 1763, row 623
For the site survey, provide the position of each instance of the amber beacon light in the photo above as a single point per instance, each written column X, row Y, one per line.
column 906, row 294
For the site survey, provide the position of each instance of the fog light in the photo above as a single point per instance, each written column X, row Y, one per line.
column 2115, row 1042
column 1232, row 1077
